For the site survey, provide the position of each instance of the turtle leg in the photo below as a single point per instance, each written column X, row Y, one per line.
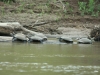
column 60, row 39
column 41, row 41
column 45, row 39
column 14, row 39
column 25, row 41
column 30, row 40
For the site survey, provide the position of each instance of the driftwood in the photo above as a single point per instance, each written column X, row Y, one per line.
column 5, row 39
column 8, row 28
column 38, row 23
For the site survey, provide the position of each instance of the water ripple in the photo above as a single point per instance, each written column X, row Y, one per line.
column 30, row 67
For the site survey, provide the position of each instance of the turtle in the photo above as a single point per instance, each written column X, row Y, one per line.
column 20, row 37
column 66, row 39
column 85, row 41
column 37, row 39
column 42, row 36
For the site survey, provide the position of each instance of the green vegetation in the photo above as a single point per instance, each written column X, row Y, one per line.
column 2, row 11
column 21, row 7
column 82, row 7
column 98, row 7
column 89, row 8
column 7, row 1
column 62, row 8
column 68, row 9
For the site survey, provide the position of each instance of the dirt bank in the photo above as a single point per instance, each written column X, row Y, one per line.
column 38, row 16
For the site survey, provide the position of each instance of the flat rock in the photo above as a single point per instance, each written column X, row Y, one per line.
column 5, row 39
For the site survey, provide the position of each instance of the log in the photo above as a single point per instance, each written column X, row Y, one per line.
column 5, row 39
column 33, row 33
column 7, row 28
column 11, row 25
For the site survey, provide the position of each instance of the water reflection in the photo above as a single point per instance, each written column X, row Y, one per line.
column 49, row 59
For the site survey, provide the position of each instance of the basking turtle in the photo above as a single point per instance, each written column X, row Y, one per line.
column 66, row 39
column 84, row 41
column 20, row 37
column 37, row 39
column 41, row 35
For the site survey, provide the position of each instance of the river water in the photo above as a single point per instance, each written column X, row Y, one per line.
column 49, row 59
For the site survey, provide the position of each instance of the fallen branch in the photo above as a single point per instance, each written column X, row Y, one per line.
column 62, row 4
column 16, row 26
column 41, row 23
column 55, row 5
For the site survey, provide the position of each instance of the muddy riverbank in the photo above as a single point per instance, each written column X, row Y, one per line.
column 40, row 17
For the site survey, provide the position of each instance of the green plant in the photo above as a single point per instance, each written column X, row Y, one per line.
column 96, row 14
column 48, row 2
column 91, row 6
column 98, row 7
column 88, row 8
column 68, row 8
column 8, row 1
column 21, row 7
column 2, row 11
column 82, row 7
column 67, row 5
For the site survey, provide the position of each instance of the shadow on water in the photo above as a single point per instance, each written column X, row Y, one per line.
column 49, row 59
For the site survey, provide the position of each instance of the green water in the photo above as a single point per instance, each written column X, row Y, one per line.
column 49, row 59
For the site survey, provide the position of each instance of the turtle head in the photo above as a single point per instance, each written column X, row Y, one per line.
column 12, row 34
column 27, row 39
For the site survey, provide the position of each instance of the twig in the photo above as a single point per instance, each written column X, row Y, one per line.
column 62, row 4
column 36, row 21
column 53, row 4
column 41, row 23
column 38, row 24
